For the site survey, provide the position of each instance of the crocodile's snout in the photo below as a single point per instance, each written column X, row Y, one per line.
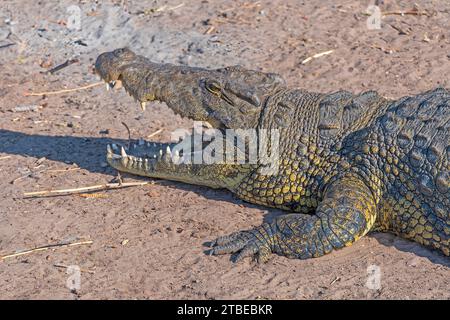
column 108, row 64
column 231, row 97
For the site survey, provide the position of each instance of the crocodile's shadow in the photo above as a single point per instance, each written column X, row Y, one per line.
column 89, row 152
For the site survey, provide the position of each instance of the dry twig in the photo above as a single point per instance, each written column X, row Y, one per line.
column 47, row 247
column 317, row 55
column 28, row 94
column 403, row 13
column 155, row 133
column 107, row 186
column 129, row 134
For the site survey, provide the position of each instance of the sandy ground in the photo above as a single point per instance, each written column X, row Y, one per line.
column 147, row 241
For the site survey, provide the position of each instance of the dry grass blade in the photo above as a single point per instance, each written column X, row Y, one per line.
column 155, row 133
column 47, row 93
column 403, row 13
column 107, row 186
column 317, row 55
column 129, row 134
column 47, row 247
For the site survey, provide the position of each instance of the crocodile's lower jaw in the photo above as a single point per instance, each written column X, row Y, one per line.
column 158, row 160
column 143, row 158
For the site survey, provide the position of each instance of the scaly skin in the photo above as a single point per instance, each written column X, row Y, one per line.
column 348, row 164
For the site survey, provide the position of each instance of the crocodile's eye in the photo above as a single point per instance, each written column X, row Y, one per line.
column 124, row 53
column 213, row 87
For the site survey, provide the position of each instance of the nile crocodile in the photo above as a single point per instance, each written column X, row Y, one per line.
column 347, row 164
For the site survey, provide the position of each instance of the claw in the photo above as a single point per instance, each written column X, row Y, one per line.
column 242, row 244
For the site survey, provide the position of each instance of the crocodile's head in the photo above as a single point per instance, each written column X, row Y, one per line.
column 227, row 98
column 231, row 97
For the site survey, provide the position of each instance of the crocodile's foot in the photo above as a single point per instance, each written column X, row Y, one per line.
column 250, row 243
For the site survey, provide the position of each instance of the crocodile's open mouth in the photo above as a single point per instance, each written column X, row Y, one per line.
column 226, row 99
column 117, row 84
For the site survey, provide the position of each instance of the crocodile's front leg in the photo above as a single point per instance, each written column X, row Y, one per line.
column 347, row 213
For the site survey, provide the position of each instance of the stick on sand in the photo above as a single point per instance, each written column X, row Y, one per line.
column 43, row 248
column 28, row 94
column 106, row 186
column 317, row 55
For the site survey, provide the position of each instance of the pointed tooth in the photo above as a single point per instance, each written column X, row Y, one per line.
column 176, row 157
column 141, row 142
column 148, row 144
column 114, row 146
column 109, row 149
column 122, row 152
column 168, row 150
column 160, row 152
column 143, row 105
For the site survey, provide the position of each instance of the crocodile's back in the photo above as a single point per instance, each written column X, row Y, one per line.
column 414, row 161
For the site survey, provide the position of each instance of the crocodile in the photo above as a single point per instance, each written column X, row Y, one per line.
column 347, row 164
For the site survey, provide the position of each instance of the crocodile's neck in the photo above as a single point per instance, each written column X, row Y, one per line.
column 313, row 126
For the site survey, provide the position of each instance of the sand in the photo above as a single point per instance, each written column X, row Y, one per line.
column 147, row 241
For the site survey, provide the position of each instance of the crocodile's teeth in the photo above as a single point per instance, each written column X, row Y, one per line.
column 114, row 146
column 160, row 152
column 168, row 150
column 176, row 157
column 142, row 106
column 141, row 142
column 148, row 144
column 122, row 152
column 109, row 149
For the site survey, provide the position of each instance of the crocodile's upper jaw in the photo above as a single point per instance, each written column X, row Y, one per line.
column 231, row 97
